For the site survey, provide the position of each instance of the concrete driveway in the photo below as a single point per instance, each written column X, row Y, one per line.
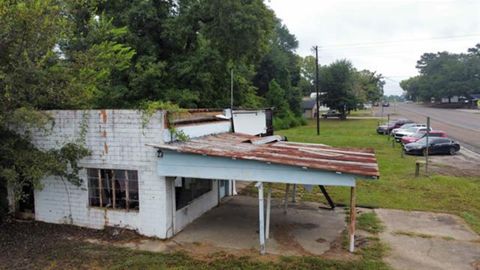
column 304, row 230
column 424, row 240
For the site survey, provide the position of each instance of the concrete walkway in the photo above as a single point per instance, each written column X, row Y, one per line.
column 424, row 240
column 304, row 230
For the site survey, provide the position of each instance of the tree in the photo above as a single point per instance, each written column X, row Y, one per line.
column 308, row 75
column 337, row 81
column 444, row 75
column 280, row 67
column 58, row 54
column 368, row 86
column 39, row 71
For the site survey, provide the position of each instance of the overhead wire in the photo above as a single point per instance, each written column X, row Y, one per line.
column 393, row 42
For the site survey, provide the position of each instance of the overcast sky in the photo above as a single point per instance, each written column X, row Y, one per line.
column 383, row 36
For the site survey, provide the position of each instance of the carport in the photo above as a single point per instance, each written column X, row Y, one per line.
column 268, row 160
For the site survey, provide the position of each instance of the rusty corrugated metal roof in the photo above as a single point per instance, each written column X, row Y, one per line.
column 307, row 155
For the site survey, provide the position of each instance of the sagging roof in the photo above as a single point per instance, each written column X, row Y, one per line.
column 271, row 149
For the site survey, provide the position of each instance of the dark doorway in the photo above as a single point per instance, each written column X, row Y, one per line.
column 26, row 205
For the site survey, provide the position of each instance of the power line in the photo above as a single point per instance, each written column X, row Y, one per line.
column 393, row 42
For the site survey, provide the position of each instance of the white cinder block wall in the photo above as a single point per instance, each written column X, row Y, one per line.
column 117, row 140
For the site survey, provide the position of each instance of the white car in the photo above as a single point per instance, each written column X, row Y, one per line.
column 406, row 126
column 409, row 132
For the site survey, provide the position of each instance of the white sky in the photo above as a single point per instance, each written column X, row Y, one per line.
column 386, row 36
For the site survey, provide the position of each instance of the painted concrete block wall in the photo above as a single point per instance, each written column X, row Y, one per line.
column 199, row 206
column 117, row 139
column 252, row 122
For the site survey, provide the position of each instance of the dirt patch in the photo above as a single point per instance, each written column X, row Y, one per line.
column 31, row 240
column 284, row 236
column 464, row 163
column 207, row 252
column 338, row 251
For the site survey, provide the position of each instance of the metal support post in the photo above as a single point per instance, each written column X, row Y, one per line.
column 261, row 218
column 353, row 213
column 269, row 206
column 287, row 189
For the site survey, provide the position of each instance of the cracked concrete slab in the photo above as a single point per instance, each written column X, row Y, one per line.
column 425, row 240
column 304, row 230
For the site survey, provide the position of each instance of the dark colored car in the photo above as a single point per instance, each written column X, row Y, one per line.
column 388, row 127
column 417, row 136
column 386, row 104
column 436, row 146
column 334, row 113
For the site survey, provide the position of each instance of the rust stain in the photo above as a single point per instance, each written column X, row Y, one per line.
column 309, row 156
column 105, row 148
column 104, row 134
column 103, row 114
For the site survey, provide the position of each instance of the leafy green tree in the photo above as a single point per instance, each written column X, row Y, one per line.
column 444, row 75
column 368, row 86
column 337, row 81
column 281, row 65
column 308, row 75
column 42, row 68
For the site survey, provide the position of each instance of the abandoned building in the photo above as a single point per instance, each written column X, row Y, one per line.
column 156, row 174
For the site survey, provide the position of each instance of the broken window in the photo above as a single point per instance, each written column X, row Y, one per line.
column 117, row 189
column 188, row 189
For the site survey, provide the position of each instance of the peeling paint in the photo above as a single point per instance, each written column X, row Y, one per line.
column 105, row 148
column 103, row 114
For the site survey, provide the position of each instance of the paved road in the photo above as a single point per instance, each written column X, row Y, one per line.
column 463, row 126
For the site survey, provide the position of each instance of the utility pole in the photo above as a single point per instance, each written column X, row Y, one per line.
column 316, row 90
column 231, row 100
column 231, row 90
column 427, row 144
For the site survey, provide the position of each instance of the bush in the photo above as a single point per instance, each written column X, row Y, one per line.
column 288, row 121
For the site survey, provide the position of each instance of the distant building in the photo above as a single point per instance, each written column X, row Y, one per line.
column 309, row 107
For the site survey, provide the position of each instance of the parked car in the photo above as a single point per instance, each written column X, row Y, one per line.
column 388, row 127
column 386, row 104
column 406, row 126
column 417, row 136
column 409, row 132
column 334, row 113
column 435, row 146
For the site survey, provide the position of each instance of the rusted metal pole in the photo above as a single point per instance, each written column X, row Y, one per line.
column 353, row 213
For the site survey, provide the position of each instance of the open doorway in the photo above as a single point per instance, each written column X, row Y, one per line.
column 26, row 205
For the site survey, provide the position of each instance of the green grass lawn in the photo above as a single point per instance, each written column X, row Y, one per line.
column 397, row 187
column 360, row 113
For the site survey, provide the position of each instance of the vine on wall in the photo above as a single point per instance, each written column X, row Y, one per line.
column 150, row 108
